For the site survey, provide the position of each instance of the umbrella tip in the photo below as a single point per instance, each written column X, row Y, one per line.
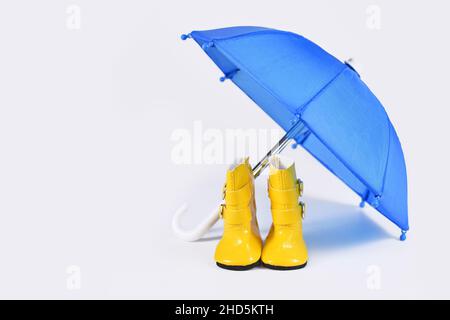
column 294, row 145
column 228, row 75
column 403, row 235
column 185, row 36
column 364, row 198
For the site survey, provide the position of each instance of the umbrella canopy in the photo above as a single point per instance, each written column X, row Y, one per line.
column 346, row 127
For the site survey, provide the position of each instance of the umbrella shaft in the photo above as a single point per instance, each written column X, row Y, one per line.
column 261, row 165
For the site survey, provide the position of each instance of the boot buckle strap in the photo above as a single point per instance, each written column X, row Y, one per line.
column 300, row 187
column 221, row 209
column 238, row 197
column 235, row 216
column 303, row 209
column 284, row 196
column 286, row 216
column 287, row 195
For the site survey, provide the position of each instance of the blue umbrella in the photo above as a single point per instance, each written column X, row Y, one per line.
column 322, row 104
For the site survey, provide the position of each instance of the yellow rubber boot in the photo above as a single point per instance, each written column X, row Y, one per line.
column 284, row 248
column 241, row 245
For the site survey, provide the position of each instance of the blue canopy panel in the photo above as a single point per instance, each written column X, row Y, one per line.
column 291, row 78
column 270, row 65
column 352, row 136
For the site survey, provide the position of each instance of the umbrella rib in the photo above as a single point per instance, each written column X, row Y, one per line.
column 240, row 66
column 302, row 108
column 344, row 163
column 387, row 156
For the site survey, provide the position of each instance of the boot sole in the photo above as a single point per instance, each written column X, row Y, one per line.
column 239, row 268
column 283, row 268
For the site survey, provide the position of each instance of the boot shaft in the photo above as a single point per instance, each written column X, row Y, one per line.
column 241, row 245
column 239, row 205
column 284, row 191
column 284, row 248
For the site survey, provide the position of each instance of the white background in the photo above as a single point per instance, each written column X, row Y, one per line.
column 88, row 186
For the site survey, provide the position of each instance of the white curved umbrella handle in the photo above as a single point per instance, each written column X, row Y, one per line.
column 200, row 230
